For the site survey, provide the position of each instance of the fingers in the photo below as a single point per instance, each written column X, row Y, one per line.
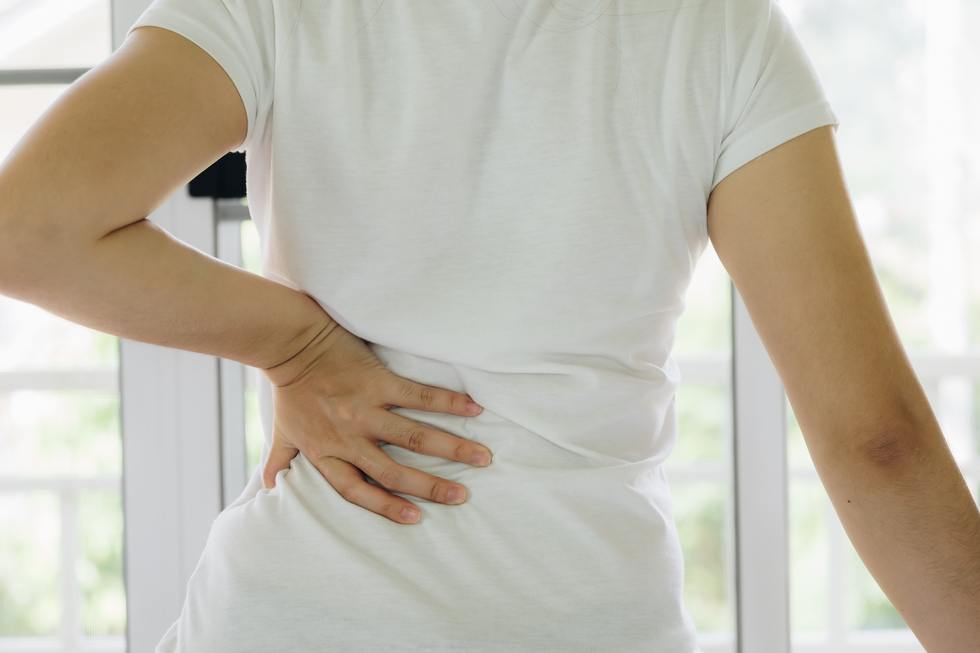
column 408, row 394
column 279, row 458
column 408, row 480
column 350, row 483
column 411, row 435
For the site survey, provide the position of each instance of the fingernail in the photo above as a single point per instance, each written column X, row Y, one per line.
column 410, row 515
column 473, row 407
column 456, row 495
column 480, row 459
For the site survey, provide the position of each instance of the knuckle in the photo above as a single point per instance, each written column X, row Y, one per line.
column 363, row 460
column 405, row 389
column 416, row 440
column 388, row 477
column 318, row 451
column 388, row 428
column 427, row 397
column 349, row 492
column 373, row 381
column 435, row 492
column 330, row 442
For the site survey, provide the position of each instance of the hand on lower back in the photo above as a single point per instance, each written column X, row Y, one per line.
column 331, row 403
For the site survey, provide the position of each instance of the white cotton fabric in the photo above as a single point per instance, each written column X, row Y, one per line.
column 507, row 198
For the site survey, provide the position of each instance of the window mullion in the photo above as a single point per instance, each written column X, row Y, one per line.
column 761, row 497
column 234, row 461
column 41, row 76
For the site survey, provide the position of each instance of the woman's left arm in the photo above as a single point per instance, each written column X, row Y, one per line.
column 784, row 228
column 75, row 240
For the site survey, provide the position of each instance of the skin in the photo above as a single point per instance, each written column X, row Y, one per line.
column 782, row 225
column 784, row 228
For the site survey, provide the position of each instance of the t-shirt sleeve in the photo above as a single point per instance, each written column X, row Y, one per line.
column 241, row 36
column 772, row 90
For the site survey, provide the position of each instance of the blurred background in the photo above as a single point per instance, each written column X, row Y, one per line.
column 903, row 77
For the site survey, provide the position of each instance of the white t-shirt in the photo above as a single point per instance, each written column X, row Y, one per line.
column 507, row 198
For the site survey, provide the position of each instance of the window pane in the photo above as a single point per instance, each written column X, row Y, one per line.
column 702, row 415
column 254, row 438
column 20, row 107
column 59, row 409
column 701, row 511
column 100, row 564
column 699, row 468
column 809, row 571
column 59, row 434
column 251, row 249
column 54, row 33
column 33, row 339
column 30, row 550
column 706, row 325
column 797, row 454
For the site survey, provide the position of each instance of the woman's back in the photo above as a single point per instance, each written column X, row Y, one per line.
column 506, row 201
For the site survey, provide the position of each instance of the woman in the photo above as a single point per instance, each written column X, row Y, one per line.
column 478, row 222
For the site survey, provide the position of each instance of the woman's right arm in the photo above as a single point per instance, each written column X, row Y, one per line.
column 784, row 228
column 74, row 240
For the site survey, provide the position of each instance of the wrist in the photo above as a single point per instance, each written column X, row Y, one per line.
column 300, row 351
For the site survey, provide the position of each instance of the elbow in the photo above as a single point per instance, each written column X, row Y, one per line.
column 891, row 448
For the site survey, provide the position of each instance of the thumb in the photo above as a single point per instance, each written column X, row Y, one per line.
column 280, row 456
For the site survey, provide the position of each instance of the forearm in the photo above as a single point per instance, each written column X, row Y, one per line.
column 140, row 283
column 912, row 519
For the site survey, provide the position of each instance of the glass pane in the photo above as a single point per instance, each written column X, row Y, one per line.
column 54, row 33
column 30, row 550
column 702, row 458
column 797, row 454
column 872, row 67
column 60, row 434
column 701, row 511
column 809, row 555
column 702, row 415
column 20, row 107
column 33, row 339
column 251, row 249
column 100, row 564
column 706, row 325
column 254, row 438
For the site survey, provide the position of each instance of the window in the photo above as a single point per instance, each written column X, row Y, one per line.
column 61, row 537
